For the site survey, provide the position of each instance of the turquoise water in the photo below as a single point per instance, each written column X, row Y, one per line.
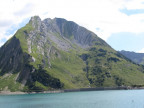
column 90, row 99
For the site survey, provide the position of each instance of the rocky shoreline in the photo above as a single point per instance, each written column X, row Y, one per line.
column 72, row 90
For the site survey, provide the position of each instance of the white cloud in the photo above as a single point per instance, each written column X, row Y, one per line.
column 92, row 14
column 141, row 51
column 28, row 8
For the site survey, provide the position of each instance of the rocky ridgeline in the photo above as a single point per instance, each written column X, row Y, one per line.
column 54, row 54
column 70, row 32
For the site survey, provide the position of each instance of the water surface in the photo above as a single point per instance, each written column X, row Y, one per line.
column 89, row 99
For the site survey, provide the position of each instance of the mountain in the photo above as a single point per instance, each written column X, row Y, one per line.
column 138, row 58
column 55, row 53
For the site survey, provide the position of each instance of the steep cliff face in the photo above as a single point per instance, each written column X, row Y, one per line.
column 59, row 54
column 11, row 56
column 13, row 60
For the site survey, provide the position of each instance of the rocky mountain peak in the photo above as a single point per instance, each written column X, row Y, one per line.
column 68, row 31
column 36, row 22
column 35, row 19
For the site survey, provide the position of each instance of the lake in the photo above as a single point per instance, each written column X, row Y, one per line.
column 89, row 99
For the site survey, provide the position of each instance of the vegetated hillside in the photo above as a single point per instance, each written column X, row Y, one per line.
column 59, row 54
column 133, row 56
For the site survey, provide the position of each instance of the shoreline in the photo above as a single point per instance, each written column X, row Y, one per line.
column 21, row 93
column 72, row 90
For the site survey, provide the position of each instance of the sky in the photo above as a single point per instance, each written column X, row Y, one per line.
column 119, row 22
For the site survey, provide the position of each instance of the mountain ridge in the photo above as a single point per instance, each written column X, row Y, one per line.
column 55, row 53
column 135, row 57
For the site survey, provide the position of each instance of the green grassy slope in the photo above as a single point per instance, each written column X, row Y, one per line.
column 8, row 82
column 51, row 68
column 106, row 67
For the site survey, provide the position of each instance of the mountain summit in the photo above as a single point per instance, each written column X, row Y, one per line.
column 55, row 53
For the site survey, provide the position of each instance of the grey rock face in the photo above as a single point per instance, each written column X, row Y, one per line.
column 13, row 60
column 11, row 57
column 36, row 22
column 65, row 33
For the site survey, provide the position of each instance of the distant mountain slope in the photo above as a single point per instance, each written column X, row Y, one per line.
column 135, row 57
column 59, row 54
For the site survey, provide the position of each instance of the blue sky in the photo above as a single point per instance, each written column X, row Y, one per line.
column 127, row 41
column 120, row 22
column 132, row 11
column 12, row 29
